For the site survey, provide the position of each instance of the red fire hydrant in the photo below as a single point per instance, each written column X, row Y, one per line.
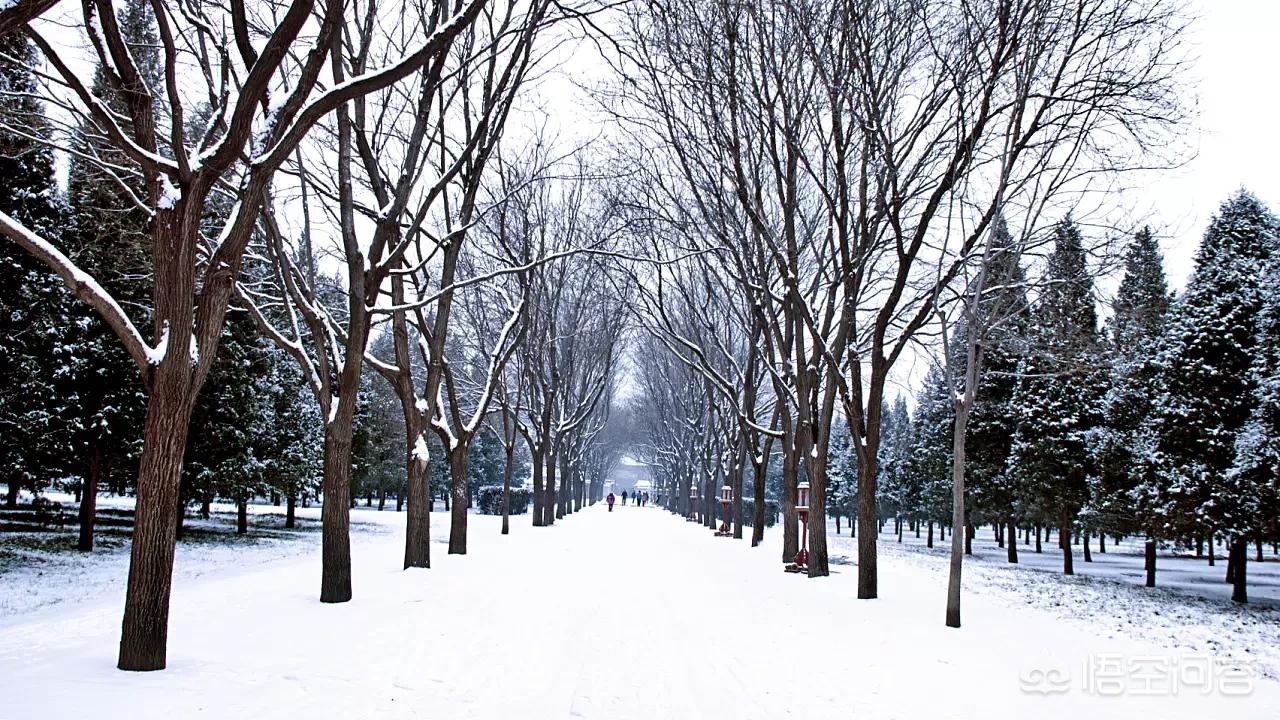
column 726, row 499
column 693, row 506
column 801, row 563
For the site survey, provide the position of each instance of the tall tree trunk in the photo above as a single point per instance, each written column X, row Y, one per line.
column 538, row 493
column 335, row 514
column 1064, row 542
column 507, row 467
column 868, row 582
column 242, row 517
column 757, row 523
column 11, row 498
column 290, row 510
column 928, row 542
column 549, row 503
column 1085, row 544
column 736, row 484
column 145, row 629
column 89, row 499
column 1038, row 548
column 1239, row 549
column 1149, row 551
column 382, row 498
column 818, row 560
column 1013, row 540
column 959, row 512
column 968, row 537
column 566, row 494
column 417, row 516
column 458, row 518
column 1211, row 549
column 1102, row 543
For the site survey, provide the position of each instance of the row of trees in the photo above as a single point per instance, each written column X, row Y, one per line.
column 827, row 184
column 1158, row 424
column 297, row 198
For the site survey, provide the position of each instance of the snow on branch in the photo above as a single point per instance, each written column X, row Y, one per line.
column 84, row 287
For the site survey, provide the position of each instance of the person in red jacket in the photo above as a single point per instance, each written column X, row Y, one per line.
column 610, row 501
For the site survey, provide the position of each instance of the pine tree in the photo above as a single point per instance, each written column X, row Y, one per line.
column 1059, row 395
column 927, row 471
column 293, row 455
column 32, row 303
column 1206, row 374
column 1255, row 476
column 108, row 237
column 1003, row 315
column 1141, row 307
column 230, row 438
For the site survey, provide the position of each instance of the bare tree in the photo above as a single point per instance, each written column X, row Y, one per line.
column 263, row 97
column 852, row 139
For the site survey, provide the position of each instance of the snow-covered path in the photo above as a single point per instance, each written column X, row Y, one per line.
column 629, row 614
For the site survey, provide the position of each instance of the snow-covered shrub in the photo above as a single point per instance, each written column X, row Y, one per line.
column 489, row 500
column 771, row 510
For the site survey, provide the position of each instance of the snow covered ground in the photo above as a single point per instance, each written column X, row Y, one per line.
column 629, row 614
column 1192, row 619
column 1124, row 563
column 41, row 573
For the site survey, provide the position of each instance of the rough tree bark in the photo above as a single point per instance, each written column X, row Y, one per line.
column 458, row 512
column 89, row 500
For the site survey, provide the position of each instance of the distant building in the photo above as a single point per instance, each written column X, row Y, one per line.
column 629, row 476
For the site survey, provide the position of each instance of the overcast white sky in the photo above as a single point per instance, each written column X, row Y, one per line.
column 1233, row 88
column 1235, row 83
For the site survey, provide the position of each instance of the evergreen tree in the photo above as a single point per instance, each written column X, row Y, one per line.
column 927, row 470
column 1134, row 331
column 108, row 237
column 231, row 424
column 1207, row 379
column 1002, row 316
column 33, row 304
column 1059, row 394
column 294, row 458
column 378, row 442
column 1255, row 476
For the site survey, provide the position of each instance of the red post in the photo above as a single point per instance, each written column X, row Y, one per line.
column 693, row 506
column 726, row 499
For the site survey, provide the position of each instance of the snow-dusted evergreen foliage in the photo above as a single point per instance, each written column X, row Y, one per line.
column 1059, row 397
column 109, row 238
column 1207, row 379
column 898, row 493
column 1133, row 334
column 1003, row 318
column 926, row 475
column 1165, row 426
column 1255, row 475
column 33, row 305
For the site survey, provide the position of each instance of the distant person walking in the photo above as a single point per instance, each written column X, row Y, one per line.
column 624, row 498
column 609, row 500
